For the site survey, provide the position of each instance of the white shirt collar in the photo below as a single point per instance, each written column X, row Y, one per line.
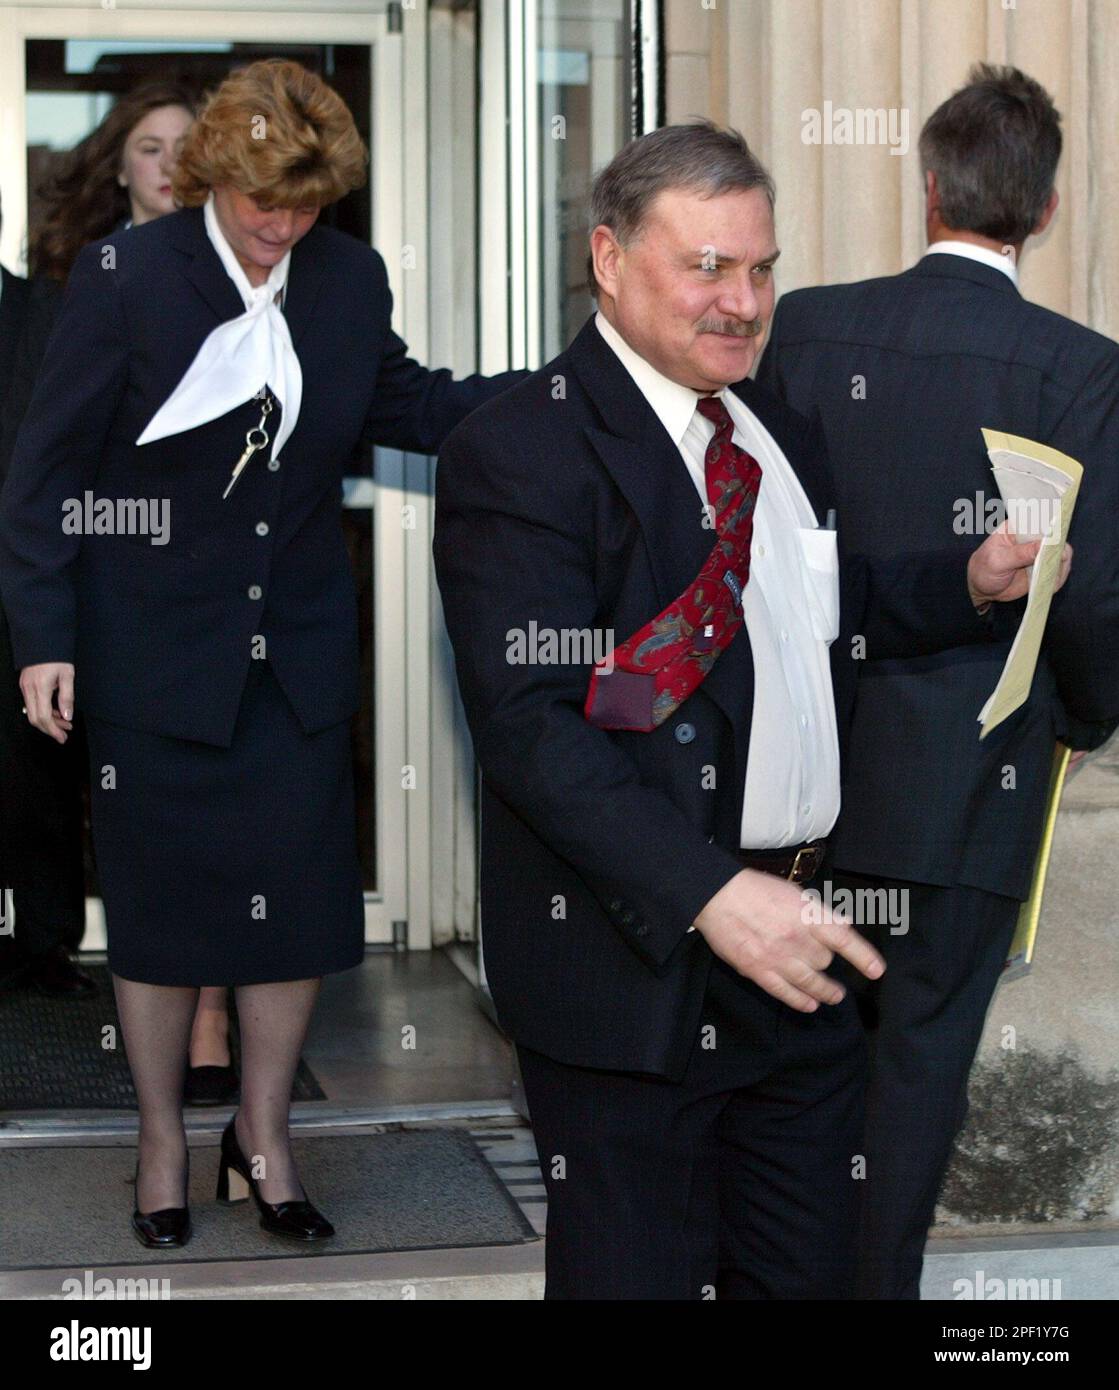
column 673, row 404
column 250, row 294
column 983, row 254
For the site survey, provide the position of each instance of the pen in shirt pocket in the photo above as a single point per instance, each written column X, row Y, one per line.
column 829, row 521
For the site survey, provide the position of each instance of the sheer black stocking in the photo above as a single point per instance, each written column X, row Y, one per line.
column 156, row 1021
column 273, row 1020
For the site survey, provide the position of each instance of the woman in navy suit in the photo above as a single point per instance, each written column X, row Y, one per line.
column 171, row 548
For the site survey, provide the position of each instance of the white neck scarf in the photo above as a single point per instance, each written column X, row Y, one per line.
column 239, row 357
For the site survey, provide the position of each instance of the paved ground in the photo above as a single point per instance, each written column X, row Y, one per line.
column 1042, row 1142
column 1056, row 1081
column 1057, row 1266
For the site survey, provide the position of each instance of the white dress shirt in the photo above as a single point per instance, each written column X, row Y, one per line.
column 983, row 254
column 791, row 611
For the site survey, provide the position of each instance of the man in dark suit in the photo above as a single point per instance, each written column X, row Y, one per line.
column 40, row 812
column 905, row 371
column 696, row 1112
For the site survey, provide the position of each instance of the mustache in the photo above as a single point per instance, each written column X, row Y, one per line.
column 735, row 327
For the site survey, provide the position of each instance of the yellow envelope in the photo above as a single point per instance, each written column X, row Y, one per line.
column 1021, row 955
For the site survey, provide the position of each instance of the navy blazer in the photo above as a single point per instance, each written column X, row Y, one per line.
column 566, row 504
column 162, row 635
column 13, row 313
column 944, row 349
column 40, row 311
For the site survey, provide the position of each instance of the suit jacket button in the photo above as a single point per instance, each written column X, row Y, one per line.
column 684, row 733
column 254, row 591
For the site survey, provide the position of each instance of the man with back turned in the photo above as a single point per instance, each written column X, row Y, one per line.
column 905, row 372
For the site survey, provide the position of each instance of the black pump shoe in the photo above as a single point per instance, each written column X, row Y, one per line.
column 210, row 1085
column 163, row 1229
column 298, row 1220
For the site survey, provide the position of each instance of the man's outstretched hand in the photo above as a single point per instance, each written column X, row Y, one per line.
column 756, row 923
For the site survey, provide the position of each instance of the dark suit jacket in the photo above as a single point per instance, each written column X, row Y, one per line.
column 13, row 315
column 565, row 503
column 945, row 349
column 162, row 635
column 40, row 311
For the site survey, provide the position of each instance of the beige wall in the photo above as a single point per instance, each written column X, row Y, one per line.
column 850, row 211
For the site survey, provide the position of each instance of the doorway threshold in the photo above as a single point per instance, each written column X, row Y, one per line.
column 79, row 1126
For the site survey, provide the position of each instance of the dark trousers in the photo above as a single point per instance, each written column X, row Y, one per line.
column 924, row 1019
column 734, row 1183
column 40, row 826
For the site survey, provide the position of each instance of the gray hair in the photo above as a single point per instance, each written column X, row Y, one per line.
column 699, row 157
column 994, row 147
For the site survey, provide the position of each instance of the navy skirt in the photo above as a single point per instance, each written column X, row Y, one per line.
column 228, row 866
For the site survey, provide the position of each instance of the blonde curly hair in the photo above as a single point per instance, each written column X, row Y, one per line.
column 276, row 131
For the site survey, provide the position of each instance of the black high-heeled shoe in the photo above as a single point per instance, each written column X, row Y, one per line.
column 298, row 1219
column 164, row 1229
column 210, row 1085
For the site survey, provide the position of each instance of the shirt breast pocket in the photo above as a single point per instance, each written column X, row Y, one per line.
column 820, row 577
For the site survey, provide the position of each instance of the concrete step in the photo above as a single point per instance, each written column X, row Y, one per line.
column 1063, row 1266
column 482, row 1272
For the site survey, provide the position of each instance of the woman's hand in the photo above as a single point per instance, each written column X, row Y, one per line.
column 38, row 684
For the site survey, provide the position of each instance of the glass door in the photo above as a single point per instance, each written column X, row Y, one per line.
column 563, row 85
column 574, row 101
column 583, row 115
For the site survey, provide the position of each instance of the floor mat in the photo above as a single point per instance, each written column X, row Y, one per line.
column 69, row 1207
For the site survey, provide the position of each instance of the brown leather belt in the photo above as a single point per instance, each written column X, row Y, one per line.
column 798, row 863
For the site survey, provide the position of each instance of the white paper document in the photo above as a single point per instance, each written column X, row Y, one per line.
column 1039, row 486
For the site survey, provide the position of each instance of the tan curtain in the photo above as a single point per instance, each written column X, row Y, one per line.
column 850, row 211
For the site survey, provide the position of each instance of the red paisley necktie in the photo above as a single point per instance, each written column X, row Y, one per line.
column 656, row 669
